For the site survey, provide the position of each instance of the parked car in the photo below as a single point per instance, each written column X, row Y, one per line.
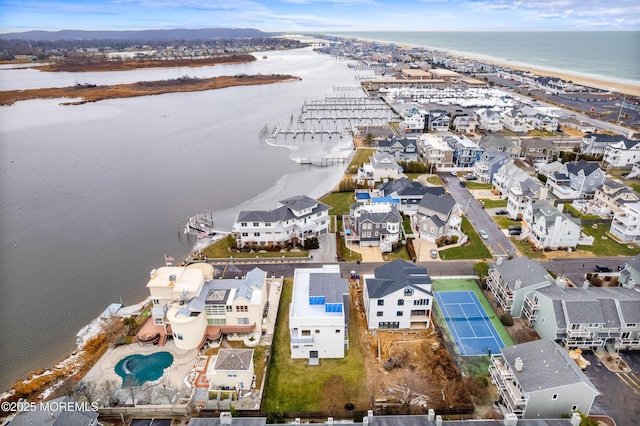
column 483, row 234
column 471, row 177
column 515, row 232
column 512, row 227
column 625, row 174
column 463, row 183
column 620, row 267
column 602, row 268
column 454, row 173
column 434, row 253
column 501, row 212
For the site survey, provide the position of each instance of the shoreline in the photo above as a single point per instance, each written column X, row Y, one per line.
column 590, row 81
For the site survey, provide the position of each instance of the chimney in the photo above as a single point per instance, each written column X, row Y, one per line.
column 544, row 193
column 225, row 418
column 510, row 419
column 499, row 260
column 370, row 416
column 561, row 282
column 153, row 273
column 365, row 420
column 432, row 415
column 296, row 421
column 575, row 419
column 438, row 420
column 330, row 421
column 585, row 284
column 518, row 284
column 518, row 364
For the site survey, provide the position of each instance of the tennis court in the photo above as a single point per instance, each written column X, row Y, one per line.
column 468, row 323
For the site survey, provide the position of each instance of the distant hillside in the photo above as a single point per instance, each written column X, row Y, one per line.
column 176, row 34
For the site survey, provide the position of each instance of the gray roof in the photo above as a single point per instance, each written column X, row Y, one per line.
column 528, row 271
column 233, row 359
column 587, row 167
column 536, row 143
column 442, row 204
column 393, row 276
column 630, row 310
column 546, row 366
column 284, row 212
column 45, row 416
column 404, row 186
column 634, row 264
column 255, row 278
column 329, row 285
column 237, row 421
column 583, row 312
column 491, row 141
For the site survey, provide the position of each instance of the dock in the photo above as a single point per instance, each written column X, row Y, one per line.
column 201, row 222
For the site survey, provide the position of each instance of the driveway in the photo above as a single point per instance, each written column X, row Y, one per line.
column 498, row 243
column 327, row 251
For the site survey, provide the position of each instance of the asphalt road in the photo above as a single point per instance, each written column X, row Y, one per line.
column 498, row 243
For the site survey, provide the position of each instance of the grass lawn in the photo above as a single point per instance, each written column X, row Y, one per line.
column 608, row 247
column 494, row 204
column 569, row 207
column 403, row 254
column 477, row 249
column 406, row 225
column 362, row 156
column 477, row 185
column 634, row 186
column 220, row 249
column 293, row 385
column 504, row 222
column 435, row 180
column 413, row 176
column 339, row 202
column 526, row 250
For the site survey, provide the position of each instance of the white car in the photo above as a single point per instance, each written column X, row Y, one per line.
column 483, row 234
column 434, row 253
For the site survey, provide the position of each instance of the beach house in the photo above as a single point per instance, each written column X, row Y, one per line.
column 488, row 164
column 546, row 228
column 576, row 179
column 622, row 153
column 381, row 167
column 373, row 225
column 438, row 217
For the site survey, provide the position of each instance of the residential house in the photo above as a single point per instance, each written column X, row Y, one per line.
column 62, row 411
column 576, row 180
column 380, row 167
column 435, row 151
column 553, row 84
column 407, row 193
column 465, row 151
column 488, row 165
column 579, row 125
column 521, row 195
column 596, row 143
column 401, row 149
column 536, row 150
column 547, row 123
column 625, row 226
column 512, row 280
column 319, row 314
column 439, row 120
column 465, row 124
column 192, row 307
column 622, row 154
column 540, row 380
column 550, row 168
column 516, row 121
column 611, row 197
column 415, row 120
column 506, row 176
column 490, row 119
column 373, row 225
column 546, row 227
column 630, row 274
column 296, row 219
column 398, row 296
column 500, row 144
column 438, row 217
column 595, row 318
column 231, row 370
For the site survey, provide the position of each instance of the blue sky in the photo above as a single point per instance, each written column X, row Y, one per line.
column 321, row 15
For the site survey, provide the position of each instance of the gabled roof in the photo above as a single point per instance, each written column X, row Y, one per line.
column 234, row 359
column 442, row 204
column 588, row 167
column 406, row 187
column 284, row 212
column 546, row 366
column 299, row 202
column 55, row 413
column 528, row 271
column 396, row 275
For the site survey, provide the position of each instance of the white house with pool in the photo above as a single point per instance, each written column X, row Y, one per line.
column 191, row 307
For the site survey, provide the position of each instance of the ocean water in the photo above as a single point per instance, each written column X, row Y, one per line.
column 607, row 55
column 90, row 194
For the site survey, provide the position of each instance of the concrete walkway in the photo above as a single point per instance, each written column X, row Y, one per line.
column 423, row 250
column 327, row 251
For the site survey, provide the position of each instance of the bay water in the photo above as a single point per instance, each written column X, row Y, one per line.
column 90, row 194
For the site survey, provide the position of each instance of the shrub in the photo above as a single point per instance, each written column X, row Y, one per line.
column 481, row 381
column 410, row 248
column 596, row 281
column 311, row 243
column 506, row 319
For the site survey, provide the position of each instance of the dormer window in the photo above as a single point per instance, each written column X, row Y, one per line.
column 408, row 291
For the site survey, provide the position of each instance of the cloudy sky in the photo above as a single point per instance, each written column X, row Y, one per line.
column 321, row 15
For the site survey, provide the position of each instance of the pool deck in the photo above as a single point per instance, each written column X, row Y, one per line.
column 104, row 369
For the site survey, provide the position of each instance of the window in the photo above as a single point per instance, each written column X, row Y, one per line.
column 243, row 224
column 245, row 234
column 214, row 310
column 337, row 330
column 419, row 312
column 156, row 302
column 229, row 308
column 306, row 332
column 421, row 302
column 242, row 308
column 256, row 223
column 379, row 313
column 178, row 336
column 399, row 313
column 157, row 321
column 408, row 291
column 216, row 321
column 256, row 234
column 267, row 224
column 380, row 302
column 555, row 396
column 317, row 331
column 243, row 321
column 400, row 302
column 232, row 374
column 574, row 408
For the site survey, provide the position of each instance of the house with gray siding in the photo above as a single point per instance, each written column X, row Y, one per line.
column 630, row 274
column 488, row 164
column 576, row 180
column 540, row 380
column 546, row 227
column 373, row 225
column 401, row 149
column 438, row 217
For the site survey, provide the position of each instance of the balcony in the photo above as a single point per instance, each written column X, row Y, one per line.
column 628, row 341
column 578, row 333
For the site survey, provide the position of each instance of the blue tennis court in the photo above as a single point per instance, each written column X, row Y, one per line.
column 468, row 323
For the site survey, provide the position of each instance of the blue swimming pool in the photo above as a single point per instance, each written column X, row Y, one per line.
column 138, row 369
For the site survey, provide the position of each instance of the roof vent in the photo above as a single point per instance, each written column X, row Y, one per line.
column 438, row 420
column 432, row 415
column 510, row 419
column 518, row 284
column 172, row 277
column 225, row 418
column 518, row 364
column 575, row 419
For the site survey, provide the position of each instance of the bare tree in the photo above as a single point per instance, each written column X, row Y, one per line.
column 130, row 384
column 148, row 391
column 88, row 390
column 109, row 388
